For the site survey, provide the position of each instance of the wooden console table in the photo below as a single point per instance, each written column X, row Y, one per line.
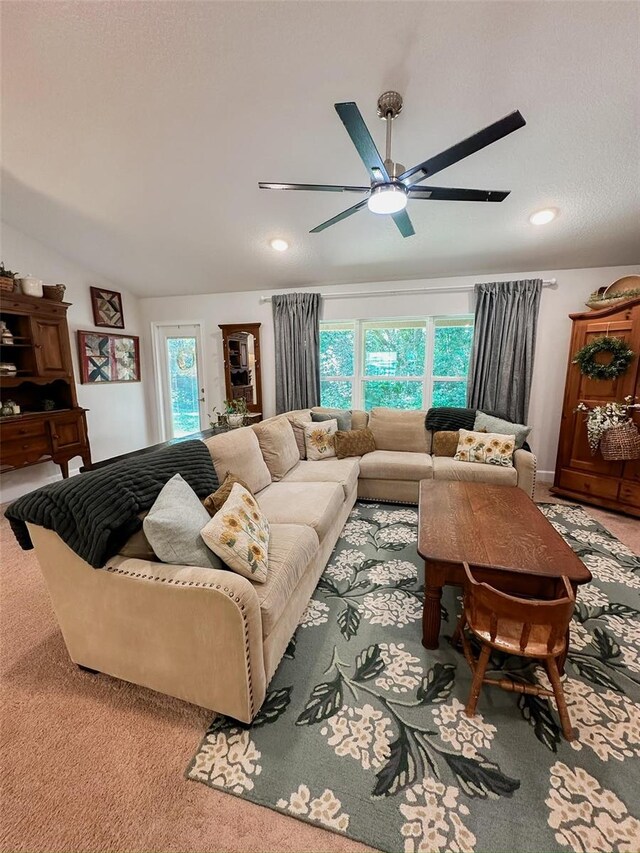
column 500, row 532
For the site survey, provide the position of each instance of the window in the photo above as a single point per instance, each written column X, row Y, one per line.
column 404, row 364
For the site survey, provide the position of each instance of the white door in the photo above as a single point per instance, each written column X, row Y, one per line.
column 181, row 386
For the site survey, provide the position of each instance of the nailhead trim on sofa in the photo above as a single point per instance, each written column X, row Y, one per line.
column 216, row 586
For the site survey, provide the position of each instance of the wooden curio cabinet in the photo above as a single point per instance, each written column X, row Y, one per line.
column 51, row 425
column 579, row 474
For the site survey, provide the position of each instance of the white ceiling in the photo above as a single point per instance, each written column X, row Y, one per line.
column 134, row 135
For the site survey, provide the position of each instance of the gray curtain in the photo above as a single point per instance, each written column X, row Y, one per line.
column 504, row 341
column 297, row 342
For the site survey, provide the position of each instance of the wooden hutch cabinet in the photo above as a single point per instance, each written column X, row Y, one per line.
column 579, row 474
column 51, row 425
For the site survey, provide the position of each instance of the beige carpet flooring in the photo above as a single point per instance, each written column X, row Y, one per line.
column 89, row 763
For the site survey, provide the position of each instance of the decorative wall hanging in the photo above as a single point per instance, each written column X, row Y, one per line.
column 610, row 428
column 621, row 357
column 108, row 357
column 107, row 308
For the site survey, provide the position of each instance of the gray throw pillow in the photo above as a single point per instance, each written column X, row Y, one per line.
column 173, row 527
column 343, row 416
column 491, row 424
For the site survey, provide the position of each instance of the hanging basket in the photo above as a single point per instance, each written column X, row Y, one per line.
column 621, row 443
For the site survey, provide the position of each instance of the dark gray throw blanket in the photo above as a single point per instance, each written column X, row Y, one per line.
column 449, row 418
column 95, row 513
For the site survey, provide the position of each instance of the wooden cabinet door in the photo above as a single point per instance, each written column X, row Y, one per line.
column 51, row 345
column 575, row 450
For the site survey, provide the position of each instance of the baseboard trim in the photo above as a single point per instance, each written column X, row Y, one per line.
column 545, row 476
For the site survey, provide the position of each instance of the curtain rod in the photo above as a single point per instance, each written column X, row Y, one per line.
column 548, row 282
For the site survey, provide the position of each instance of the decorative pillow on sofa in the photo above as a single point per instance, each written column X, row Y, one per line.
column 354, row 442
column 485, row 447
column 173, row 527
column 343, row 416
column 239, row 535
column 445, row 443
column 502, row 427
column 217, row 499
column 319, row 439
column 138, row 546
column 399, row 429
column 278, row 445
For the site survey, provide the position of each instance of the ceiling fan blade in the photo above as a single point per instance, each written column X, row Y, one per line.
column 404, row 223
column 324, row 188
column 345, row 213
column 453, row 194
column 358, row 131
column 468, row 146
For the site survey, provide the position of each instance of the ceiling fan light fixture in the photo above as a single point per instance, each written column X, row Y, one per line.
column 543, row 217
column 387, row 198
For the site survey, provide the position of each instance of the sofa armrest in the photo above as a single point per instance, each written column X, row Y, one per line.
column 189, row 632
column 525, row 464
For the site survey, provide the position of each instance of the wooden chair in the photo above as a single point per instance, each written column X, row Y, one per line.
column 529, row 628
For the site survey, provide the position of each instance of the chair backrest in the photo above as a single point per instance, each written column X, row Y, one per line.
column 500, row 614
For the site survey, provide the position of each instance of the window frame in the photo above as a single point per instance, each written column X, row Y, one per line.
column 427, row 378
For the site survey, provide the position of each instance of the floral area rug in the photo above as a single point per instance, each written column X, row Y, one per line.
column 363, row 730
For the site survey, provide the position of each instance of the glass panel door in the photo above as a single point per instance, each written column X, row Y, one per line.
column 182, row 389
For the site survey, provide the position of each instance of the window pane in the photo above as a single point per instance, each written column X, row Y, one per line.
column 335, row 395
column 183, row 382
column 452, row 350
column 394, row 351
column 449, row 394
column 336, row 352
column 395, row 395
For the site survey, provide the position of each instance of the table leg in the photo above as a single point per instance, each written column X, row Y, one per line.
column 562, row 659
column 431, row 616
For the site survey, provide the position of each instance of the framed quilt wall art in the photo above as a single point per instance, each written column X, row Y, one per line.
column 107, row 308
column 107, row 357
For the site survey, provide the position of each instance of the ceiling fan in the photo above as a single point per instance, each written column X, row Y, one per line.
column 391, row 184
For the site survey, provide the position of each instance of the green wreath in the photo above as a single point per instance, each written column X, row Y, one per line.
column 621, row 357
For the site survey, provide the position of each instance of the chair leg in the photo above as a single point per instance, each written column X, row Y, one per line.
column 478, row 676
column 457, row 634
column 558, row 692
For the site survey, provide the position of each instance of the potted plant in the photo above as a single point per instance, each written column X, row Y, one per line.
column 610, row 428
column 236, row 412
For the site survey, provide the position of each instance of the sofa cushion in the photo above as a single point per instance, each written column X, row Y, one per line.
column 449, row 469
column 297, row 420
column 313, row 504
column 359, row 418
column 173, row 526
column 342, row 471
column 354, row 442
column 396, row 465
column 398, row 429
column 278, row 445
column 291, row 548
column 342, row 416
column 238, row 452
column 239, row 535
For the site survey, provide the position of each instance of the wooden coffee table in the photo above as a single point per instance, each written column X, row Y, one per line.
column 497, row 527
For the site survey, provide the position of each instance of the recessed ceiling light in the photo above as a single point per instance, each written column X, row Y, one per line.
column 543, row 217
column 279, row 245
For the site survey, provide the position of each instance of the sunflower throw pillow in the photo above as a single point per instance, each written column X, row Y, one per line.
column 239, row 535
column 489, row 448
column 319, row 439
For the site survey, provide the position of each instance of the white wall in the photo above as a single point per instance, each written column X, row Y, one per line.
column 117, row 417
column 572, row 289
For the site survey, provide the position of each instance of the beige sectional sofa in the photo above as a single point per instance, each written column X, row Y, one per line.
column 212, row 637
